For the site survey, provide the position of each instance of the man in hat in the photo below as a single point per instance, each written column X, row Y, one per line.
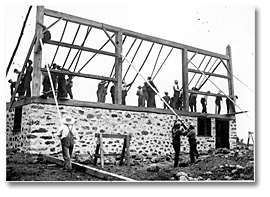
column 67, row 135
column 230, row 102
column 69, row 86
column 140, row 96
column 191, row 134
column 167, row 99
column 151, row 102
column 102, row 91
column 27, row 78
column 176, row 133
column 176, row 94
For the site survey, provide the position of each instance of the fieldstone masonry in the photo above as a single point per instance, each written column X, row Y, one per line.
column 151, row 132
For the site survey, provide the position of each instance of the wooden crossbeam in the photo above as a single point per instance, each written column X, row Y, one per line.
column 87, row 22
column 205, row 93
column 72, row 46
column 208, row 73
column 125, row 149
column 80, row 74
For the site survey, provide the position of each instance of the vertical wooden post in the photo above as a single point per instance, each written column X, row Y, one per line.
column 185, row 80
column 128, row 151
column 36, row 79
column 230, row 72
column 118, row 68
column 101, row 151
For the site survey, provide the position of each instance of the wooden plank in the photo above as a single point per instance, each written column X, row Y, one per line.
column 123, row 152
column 208, row 73
column 71, row 46
column 89, row 170
column 108, row 155
column 80, row 74
column 36, row 76
column 185, row 80
column 96, row 153
column 105, row 135
column 208, row 94
column 133, row 34
column 230, row 71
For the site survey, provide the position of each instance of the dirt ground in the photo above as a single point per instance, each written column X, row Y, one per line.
column 216, row 165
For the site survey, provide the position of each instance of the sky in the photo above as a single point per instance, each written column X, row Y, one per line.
column 211, row 28
column 234, row 25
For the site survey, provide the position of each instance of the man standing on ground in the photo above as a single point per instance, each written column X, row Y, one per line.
column 67, row 135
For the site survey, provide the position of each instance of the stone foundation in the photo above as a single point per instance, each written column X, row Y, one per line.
column 151, row 132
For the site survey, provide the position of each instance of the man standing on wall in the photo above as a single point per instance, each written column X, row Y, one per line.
column 176, row 94
column 167, row 99
column 67, row 135
column 27, row 79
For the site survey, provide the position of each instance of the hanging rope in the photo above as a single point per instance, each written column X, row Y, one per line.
column 133, row 58
column 51, row 82
column 156, row 60
column 142, row 65
column 162, row 64
column 219, row 89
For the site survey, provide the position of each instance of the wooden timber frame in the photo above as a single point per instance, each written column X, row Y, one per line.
column 118, row 42
column 125, row 150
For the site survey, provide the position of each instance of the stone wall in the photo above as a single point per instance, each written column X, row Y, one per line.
column 151, row 132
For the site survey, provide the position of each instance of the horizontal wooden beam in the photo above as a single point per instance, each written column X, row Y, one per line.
column 89, row 170
column 205, row 93
column 106, row 135
column 72, row 46
column 79, row 74
column 208, row 73
column 133, row 34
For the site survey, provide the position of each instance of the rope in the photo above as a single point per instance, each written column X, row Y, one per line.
column 219, row 89
column 51, row 82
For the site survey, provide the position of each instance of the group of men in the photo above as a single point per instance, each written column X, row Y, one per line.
column 24, row 88
column 62, row 86
column 176, row 102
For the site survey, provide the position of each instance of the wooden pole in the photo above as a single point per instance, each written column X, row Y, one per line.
column 230, row 73
column 19, row 40
column 185, row 80
column 36, row 79
column 118, row 68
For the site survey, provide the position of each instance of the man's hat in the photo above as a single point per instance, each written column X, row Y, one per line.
column 149, row 78
column 139, row 87
column 166, row 92
column 68, row 120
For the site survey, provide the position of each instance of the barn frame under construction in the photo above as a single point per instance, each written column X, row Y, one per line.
column 33, row 129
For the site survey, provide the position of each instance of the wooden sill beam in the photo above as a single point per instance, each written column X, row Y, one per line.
column 72, row 46
column 208, row 73
column 205, row 93
column 79, row 74
column 133, row 34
